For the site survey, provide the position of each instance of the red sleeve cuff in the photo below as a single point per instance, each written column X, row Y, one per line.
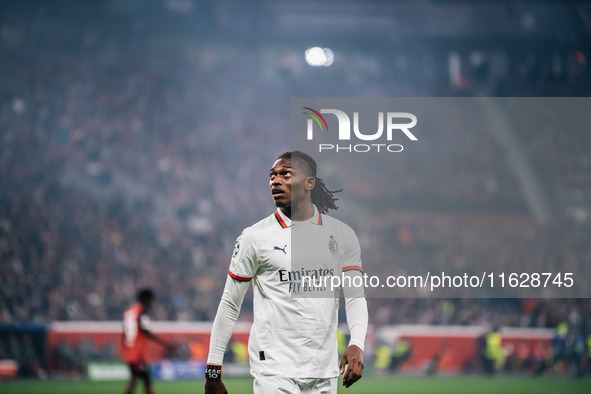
column 240, row 278
column 352, row 268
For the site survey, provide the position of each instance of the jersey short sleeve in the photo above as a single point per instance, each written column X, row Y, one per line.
column 352, row 255
column 144, row 322
column 352, row 265
column 244, row 263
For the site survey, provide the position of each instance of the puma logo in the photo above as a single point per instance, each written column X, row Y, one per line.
column 281, row 249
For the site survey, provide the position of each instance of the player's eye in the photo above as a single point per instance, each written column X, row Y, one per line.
column 287, row 173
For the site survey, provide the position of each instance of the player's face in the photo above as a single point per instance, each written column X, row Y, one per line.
column 280, row 179
column 288, row 183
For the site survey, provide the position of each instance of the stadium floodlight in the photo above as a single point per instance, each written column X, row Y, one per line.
column 317, row 57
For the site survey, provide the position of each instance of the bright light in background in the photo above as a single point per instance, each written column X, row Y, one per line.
column 317, row 56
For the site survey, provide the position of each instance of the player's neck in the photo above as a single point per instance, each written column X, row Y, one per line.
column 299, row 212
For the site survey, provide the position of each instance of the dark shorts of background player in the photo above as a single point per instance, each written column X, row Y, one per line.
column 139, row 370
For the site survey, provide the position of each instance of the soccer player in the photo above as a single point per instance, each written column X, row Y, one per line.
column 293, row 339
column 135, row 337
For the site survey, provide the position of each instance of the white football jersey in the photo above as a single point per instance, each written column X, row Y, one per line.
column 294, row 333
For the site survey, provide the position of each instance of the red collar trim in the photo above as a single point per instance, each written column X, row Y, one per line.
column 284, row 225
column 280, row 219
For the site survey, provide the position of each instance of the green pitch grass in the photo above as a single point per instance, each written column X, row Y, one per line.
column 392, row 385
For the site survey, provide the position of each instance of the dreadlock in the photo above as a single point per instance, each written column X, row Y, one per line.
column 323, row 198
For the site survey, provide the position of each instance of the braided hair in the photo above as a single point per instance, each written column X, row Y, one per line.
column 320, row 195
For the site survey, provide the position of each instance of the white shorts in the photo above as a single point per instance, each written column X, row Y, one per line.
column 272, row 384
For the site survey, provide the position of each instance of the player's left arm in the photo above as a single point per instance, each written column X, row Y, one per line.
column 356, row 311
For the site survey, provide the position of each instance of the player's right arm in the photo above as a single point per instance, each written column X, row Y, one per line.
column 223, row 325
column 356, row 311
column 242, row 269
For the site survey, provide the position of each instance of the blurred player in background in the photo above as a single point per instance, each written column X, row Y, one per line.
column 136, row 334
column 293, row 340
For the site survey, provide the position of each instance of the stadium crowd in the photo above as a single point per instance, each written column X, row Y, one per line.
column 125, row 164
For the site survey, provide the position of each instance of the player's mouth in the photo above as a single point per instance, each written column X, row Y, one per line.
column 277, row 193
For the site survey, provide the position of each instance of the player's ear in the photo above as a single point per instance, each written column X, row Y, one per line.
column 310, row 182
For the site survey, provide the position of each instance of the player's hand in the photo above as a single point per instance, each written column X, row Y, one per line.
column 215, row 387
column 353, row 360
